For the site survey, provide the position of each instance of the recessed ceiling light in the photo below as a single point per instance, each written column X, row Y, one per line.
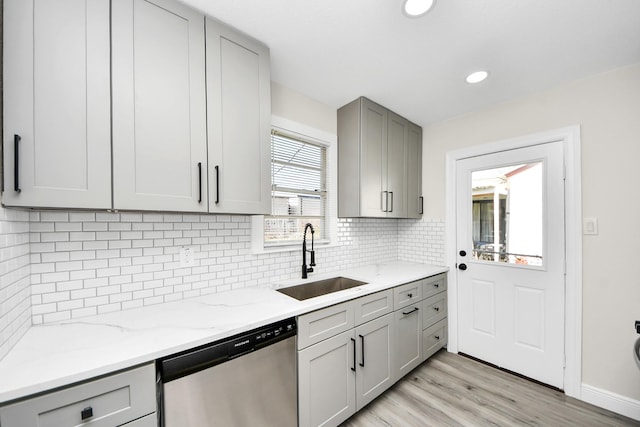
column 477, row 77
column 415, row 8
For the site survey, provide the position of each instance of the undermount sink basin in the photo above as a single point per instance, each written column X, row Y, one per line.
column 320, row 287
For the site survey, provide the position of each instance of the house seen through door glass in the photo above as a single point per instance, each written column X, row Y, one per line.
column 507, row 214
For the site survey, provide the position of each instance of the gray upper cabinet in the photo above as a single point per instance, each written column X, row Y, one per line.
column 56, row 104
column 374, row 149
column 159, row 106
column 415, row 201
column 397, row 135
column 239, row 120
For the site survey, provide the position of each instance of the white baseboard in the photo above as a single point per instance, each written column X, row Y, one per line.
column 613, row 402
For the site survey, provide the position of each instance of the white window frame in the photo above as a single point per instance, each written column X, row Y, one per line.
column 317, row 136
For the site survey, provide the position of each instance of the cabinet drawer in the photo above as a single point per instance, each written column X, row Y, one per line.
column 112, row 400
column 434, row 285
column 373, row 306
column 322, row 324
column 407, row 294
column 434, row 338
column 434, row 309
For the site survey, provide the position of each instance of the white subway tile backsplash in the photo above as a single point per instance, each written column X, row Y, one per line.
column 75, row 264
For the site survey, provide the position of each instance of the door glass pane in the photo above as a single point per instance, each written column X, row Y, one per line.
column 507, row 214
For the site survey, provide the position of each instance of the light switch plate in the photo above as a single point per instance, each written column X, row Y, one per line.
column 186, row 256
column 590, row 226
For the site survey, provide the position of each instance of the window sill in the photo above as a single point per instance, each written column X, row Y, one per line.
column 290, row 248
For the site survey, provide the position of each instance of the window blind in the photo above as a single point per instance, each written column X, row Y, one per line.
column 298, row 189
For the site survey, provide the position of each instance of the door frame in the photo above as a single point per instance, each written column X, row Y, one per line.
column 570, row 137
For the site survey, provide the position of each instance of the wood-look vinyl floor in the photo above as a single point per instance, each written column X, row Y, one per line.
column 452, row 390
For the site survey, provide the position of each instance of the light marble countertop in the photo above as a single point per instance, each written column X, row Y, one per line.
column 58, row 354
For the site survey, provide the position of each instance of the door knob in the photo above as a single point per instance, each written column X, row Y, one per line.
column 462, row 267
column 463, row 253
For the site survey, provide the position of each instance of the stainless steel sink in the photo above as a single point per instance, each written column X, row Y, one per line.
column 320, row 287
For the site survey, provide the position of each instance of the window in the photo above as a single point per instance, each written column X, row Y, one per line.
column 298, row 189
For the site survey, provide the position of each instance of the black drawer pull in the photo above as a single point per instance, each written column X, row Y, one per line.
column 410, row 295
column 217, row 168
column 86, row 413
column 436, row 308
column 411, row 311
column 16, row 163
column 435, row 285
column 437, row 337
column 362, row 341
column 354, row 354
column 199, row 182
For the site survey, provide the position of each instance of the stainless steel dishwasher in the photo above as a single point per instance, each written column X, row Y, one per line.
column 246, row 380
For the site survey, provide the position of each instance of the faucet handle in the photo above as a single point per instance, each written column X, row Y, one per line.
column 313, row 259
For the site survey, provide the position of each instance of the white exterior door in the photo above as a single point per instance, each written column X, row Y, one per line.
column 510, row 258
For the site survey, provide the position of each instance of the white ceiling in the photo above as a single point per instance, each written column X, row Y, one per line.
column 336, row 50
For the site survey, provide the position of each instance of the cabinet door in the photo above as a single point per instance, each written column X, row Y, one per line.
column 159, row 124
column 239, row 122
column 374, row 353
column 398, row 129
column 408, row 339
column 413, row 155
column 326, row 381
column 373, row 146
column 56, row 104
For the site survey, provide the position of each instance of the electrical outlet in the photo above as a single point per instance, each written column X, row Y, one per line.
column 186, row 256
column 590, row 226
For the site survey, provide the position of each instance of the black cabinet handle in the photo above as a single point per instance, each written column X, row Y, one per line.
column 436, row 308
column 437, row 337
column 421, row 211
column 391, row 192
column 199, row 182
column 435, row 285
column 217, row 184
column 16, row 163
column 410, row 296
column 411, row 311
column 384, row 201
column 86, row 413
column 354, row 354
column 362, row 354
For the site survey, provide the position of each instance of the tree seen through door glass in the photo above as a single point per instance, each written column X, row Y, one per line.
column 507, row 214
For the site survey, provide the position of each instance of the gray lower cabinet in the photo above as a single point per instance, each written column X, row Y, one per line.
column 350, row 353
column 374, row 354
column 344, row 362
column 326, row 382
column 126, row 398
column 434, row 315
column 408, row 335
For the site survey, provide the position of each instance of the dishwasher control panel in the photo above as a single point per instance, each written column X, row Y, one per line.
column 203, row 357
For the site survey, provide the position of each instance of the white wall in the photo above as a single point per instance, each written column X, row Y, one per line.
column 607, row 107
